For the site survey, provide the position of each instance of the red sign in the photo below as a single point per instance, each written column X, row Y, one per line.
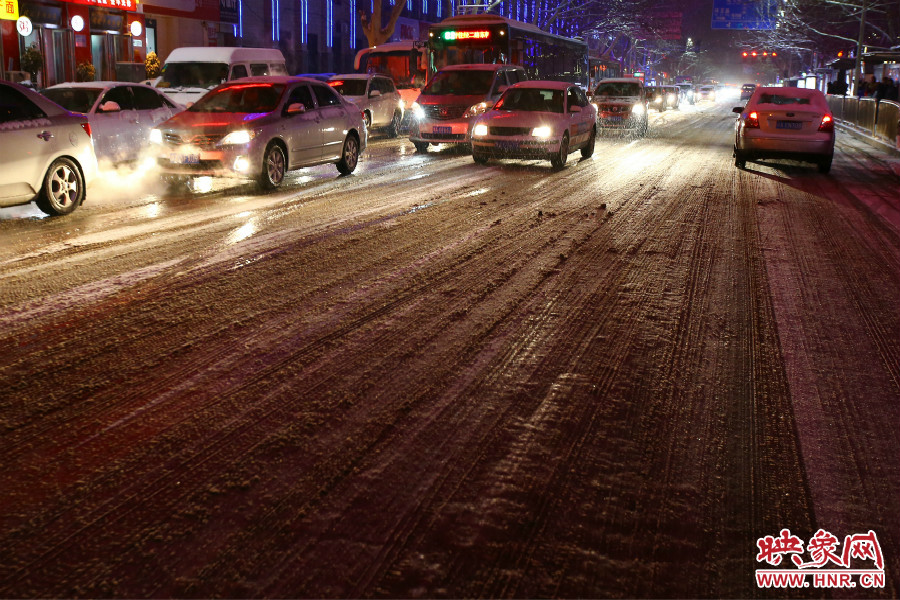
column 130, row 5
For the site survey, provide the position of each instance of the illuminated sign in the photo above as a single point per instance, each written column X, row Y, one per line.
column 9, row 9
column 466, row 35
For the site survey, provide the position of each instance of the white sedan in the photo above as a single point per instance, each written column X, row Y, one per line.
column 537, row 119
column 46, row 155
column 121, row 114
column 780, row 122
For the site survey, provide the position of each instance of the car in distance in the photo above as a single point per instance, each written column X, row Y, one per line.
column 121, row 114
column 621, row 105
column 377, row 98
column 779, row 122
column 705, row 93
column 536, row 119
column 687, row 92
column 47, row 155
column 747, row 90
column 449, row 103
column 657, row 97
column 260, row 128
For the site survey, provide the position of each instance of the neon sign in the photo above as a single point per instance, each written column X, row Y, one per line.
column 466, row 35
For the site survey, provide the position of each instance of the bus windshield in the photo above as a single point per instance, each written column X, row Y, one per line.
column 399, row 66
column 460, row 83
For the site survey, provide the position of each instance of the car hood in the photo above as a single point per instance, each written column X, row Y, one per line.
column 507, row 118
column 209, row 122
column 450, row 99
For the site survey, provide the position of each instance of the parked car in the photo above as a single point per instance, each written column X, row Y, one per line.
column 121, row 114
column 190, row 72
column 779, row 122
column 47, row 155
column 376, row 96
column 457, row 94
column 747, row 90
column 536, row 119
column 621, row 105
column 260, row 128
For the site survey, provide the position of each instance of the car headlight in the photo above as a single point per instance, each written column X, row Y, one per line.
column 480, row 130
column 542, row 132
column 476, row 110
column 417, row 110
column 235, row 138
column 156, row 136
column 638, row 109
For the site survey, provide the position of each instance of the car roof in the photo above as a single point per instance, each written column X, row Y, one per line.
column 272, row 79
column 356, row 76
column 543, row 85
column 478, row 67
column 96, row 84
column 47, row 105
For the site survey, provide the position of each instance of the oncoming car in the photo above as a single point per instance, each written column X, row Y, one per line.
column 536, row 119
column 260, row 128
column 778, row 122
column 621, row 105
column 47, row 155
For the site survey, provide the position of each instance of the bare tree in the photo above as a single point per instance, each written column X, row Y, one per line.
column 372, row 23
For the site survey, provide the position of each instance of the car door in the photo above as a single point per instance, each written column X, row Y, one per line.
column 578, row 116
column 332, row 120
column 30, row 141
column 302, row 131
column 116, row 132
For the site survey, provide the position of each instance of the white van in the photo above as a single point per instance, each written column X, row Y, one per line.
column 188, row 73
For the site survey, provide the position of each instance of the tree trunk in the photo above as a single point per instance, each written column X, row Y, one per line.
column 371, row 26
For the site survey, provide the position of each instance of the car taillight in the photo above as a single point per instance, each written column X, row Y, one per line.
column 87, row 128
column 827, row 123
column 752, row 121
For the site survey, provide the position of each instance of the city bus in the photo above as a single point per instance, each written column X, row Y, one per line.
column 493, row 39
column 405, row 62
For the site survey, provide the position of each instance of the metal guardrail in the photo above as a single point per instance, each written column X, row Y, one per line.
column 880, row 119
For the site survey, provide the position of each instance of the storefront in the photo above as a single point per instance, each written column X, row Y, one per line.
column 69, row 35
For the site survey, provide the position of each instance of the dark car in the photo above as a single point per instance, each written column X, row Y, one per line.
column 747, row 90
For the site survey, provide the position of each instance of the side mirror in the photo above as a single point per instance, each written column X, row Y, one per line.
column 296, row 108
column 374, row 93
column 737, row 109
column 110, row 106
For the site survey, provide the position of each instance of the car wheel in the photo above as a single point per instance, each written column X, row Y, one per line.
column 740, row 161
column 63, row 188
column 479, row 157
column 274, row 166
column 393, row 129
column 825, row 165
column 558, row 160
column 588, row 150
column 367, row 117
column 421, row 146
column 349, row 156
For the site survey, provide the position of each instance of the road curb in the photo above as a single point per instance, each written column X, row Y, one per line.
column 873, row 141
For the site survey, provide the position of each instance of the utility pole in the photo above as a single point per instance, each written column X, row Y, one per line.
column 859, row 47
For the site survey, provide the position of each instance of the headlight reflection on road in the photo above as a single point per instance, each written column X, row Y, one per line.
column 242, row 232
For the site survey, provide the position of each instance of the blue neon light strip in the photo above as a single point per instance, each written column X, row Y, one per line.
column 329, row 23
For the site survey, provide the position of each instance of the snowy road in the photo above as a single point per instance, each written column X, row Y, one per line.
column 440, row 379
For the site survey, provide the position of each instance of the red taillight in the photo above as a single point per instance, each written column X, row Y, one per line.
column 827, row 123
column 87, row 128
column 752, row 121
column 335, row 83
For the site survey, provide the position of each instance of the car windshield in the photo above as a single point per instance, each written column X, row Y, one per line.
column 781, row 99
column 193, row 74
column 241, row 98
column 350, row 87
column 530, row 99
column 624, row 88
column 460, row 83
column 75, row 99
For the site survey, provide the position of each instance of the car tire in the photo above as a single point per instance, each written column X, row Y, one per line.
column 349, row 156
column 63, row 188
column 393, row 129
column 825, row 164
column 421, row 146
column 558, row 160
column 479, row 157
column 588, row 150
column 274, row 166
column 740, row 161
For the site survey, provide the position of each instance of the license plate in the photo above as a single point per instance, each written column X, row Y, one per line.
column 185, row 159
column 788, row 125
column 614, row 118
column 441, row 130
column 507, row 145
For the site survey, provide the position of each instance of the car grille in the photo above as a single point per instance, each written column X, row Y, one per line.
column 614, row 108
column 509, row 131
column 201, row 141
column 444, row 112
